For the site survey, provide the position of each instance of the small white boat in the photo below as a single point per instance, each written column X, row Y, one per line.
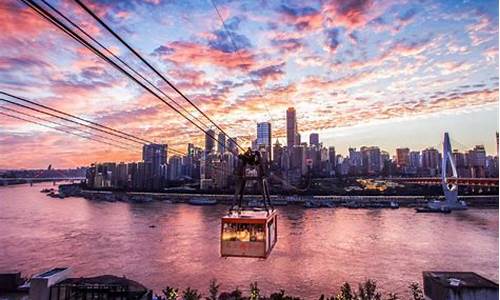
column 202, row 201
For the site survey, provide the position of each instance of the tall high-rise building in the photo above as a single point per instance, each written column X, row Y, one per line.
column 372, row 162
column 209, row 140
column 431, row 161
column 221, row 143
column 476, row 159
column 291, row 128
column 174, row 167
column 298, row 159
column 355, row 161
column 277, row 153
column 156, row 155
column 264, row 134
column 264, row 137
column 122, row 175
column 402, row 157
column 231, row 146
column 414, row 159
column 314, row 139
column 332, row 156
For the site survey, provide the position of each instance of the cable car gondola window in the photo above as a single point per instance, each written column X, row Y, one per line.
column 252, row 234
column 243, row 232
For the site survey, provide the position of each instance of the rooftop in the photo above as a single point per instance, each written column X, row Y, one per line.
column 51, row 272
column 462, row 279
column 250, row 214
column 104, row 280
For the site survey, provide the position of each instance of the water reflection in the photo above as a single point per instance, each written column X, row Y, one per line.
column 158, row 243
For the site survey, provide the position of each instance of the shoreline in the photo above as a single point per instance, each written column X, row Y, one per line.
column 488, row 201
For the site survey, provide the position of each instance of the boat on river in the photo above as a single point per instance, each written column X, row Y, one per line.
column 312, row 204
column 202, row 201
column 436, row 206
column 279, row 202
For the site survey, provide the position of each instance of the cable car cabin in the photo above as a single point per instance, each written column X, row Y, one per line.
column 250, row 234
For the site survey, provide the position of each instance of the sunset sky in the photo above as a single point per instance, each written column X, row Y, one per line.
column 387, row 73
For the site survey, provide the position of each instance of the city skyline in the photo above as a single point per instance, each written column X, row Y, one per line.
column 353, row 72
column 218, row 143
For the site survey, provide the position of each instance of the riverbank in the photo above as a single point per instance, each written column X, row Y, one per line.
column 278, row 200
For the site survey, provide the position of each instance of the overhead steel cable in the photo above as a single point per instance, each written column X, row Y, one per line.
column 46, row 15
column 62, row 130
column 257, row 88
column 69, row 120
column 64, row 125
column 236, row 50
column 76, row 117
column 98, row 127
column 120, row 60
column 117, row 36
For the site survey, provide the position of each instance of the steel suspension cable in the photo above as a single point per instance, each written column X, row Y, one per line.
column 236, row 50
column 63, row 125
column 110, row 30
column 97, row 127
column 46, row 15
column 68, row 120
column 75, row 117
column 120, row 60
column 62, row 130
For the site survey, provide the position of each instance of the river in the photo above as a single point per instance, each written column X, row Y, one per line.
column 317, row 249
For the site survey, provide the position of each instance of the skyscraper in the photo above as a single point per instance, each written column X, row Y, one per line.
column 277, row 153
column 372, row 162
column 231, row 146
column 174, row 167
column 332, row 157
column 264, row 137
column 221, row 143
column 402, row 157
column 476, row 159
column 291, row 127
column 414, row 159
column 209, row 140
column 431, row 161
column 264, row 134
column 156, row 155
column 314, row 139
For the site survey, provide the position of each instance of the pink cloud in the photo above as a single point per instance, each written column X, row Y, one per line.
column 182, row 53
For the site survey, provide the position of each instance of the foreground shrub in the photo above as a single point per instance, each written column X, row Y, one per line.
column 366, row 291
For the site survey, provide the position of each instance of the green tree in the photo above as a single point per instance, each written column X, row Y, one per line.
column 254, row 291
column 392, row 296
column 416, row 291
column 368, row 291
column 191, row 294
column 345, row 292
column 213, row 290
column 234, row 295
column 170, row 293
column 282, row 296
